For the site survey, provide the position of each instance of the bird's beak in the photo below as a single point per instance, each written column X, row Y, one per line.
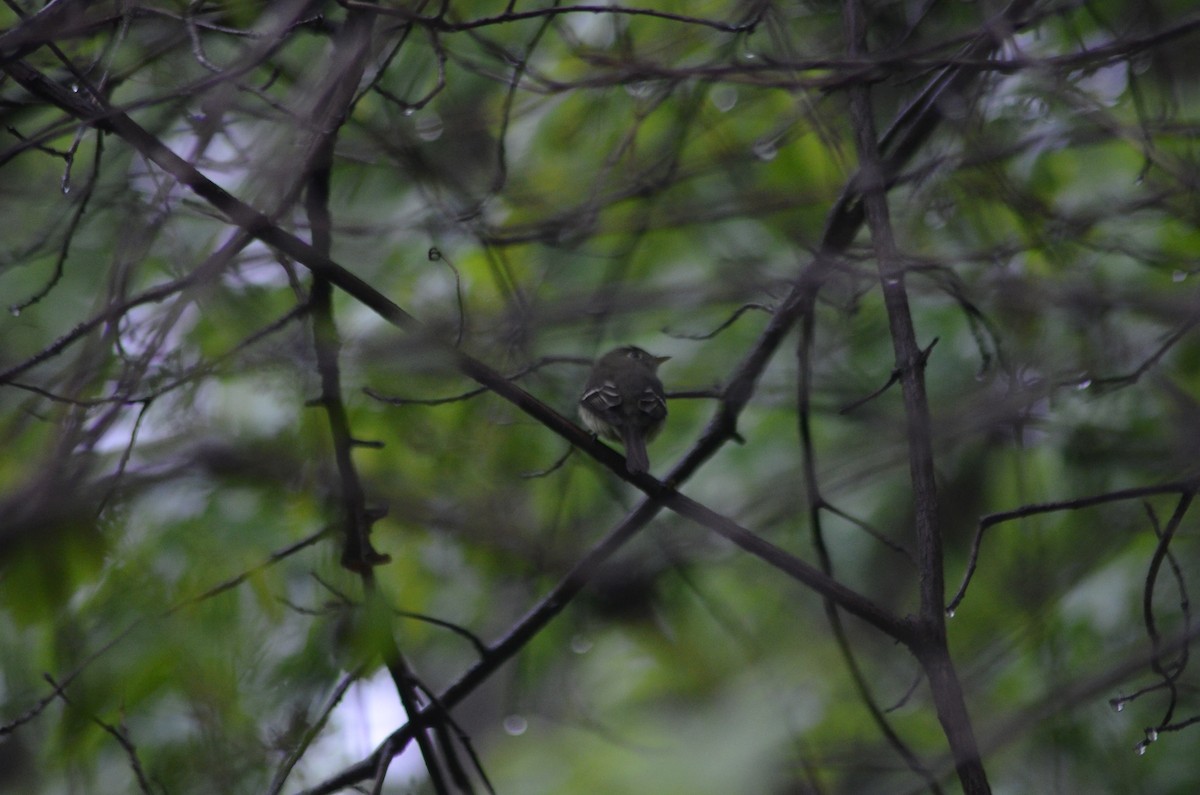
column 660, row 359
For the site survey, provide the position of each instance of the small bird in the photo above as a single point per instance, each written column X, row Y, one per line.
column 623, row 400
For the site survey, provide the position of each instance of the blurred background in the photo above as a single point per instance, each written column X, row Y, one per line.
column 537, row 183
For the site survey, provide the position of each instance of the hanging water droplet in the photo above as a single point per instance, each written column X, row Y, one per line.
column 1151, row 735
column 639, row 89
column 1140, row 748
column 14, row 310
column 581, row 644
column 515, row 725
column 724, row 98
column 766, row 149
column 429, row 127
column 949, row 612
column 1179, row 276
column 1119, row 706
column 1084, row 384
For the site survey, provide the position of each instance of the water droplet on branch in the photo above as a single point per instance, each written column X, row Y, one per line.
column 766, row 149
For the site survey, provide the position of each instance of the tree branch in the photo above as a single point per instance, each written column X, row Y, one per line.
column 931, row 645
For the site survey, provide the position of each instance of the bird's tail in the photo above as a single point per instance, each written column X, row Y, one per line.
column 636, row 458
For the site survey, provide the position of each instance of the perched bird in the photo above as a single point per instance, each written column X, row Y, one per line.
column 623, row 400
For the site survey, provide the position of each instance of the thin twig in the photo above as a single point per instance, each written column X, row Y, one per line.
column 1035, row 509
